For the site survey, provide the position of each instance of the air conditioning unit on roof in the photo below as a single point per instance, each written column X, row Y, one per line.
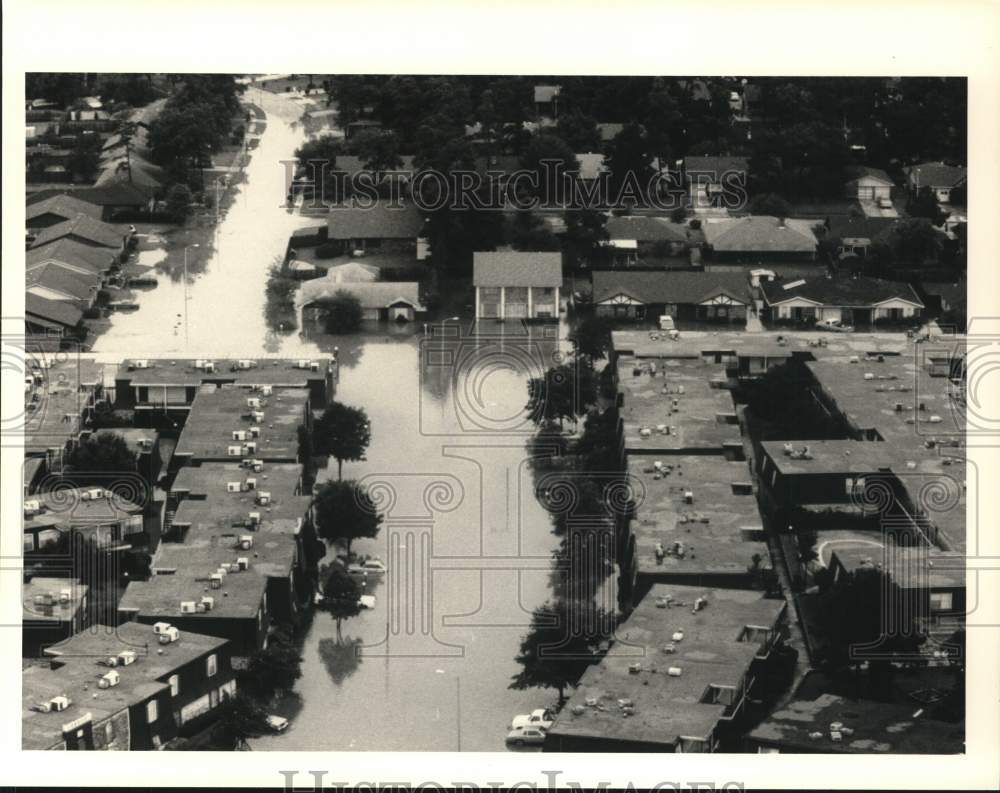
column 263, row 498
column 187, row 607
column 109, row 679
column 251, row 483
column 246, row 542
column 253, row 402
column 233, row 487
column 142, row 363
column 60, row 702
column 126, row 657
column 265, row 390
column 235, row 451
column 246, row 364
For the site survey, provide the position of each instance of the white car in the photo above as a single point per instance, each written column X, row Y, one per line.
column 367, row 601
column 834, row 325
column 277, row 723
column 530, row 736
column 540, row 718
column 368, row 566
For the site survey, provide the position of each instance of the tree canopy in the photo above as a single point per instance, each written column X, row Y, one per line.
column 343, row 432
column 345, row 511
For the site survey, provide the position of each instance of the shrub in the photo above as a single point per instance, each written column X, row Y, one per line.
column 343, row 313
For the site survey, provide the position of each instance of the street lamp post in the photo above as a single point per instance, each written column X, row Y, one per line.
column 186, row 247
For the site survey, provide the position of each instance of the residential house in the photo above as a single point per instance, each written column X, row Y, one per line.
column 853, row 301
column 53, row 609
column 111, row 198
column 832, row 724
column 943, row 298
column 940, row 177
column 868, row 184
column 381, row 227
column 52, row 318
column 131, row 687
column 352, row 272
column 759, row 239
column 678, row 676
column 638, row 295
column 58, row 209
column 517, row 284
column 715, row 182
column 53, row 281
column 547, row 100
column 395, row 301
column 653, row 236
column 86, row 230
column 851, row 235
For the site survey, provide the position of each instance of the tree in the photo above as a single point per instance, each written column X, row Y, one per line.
column 345, row 511
column 529, row 233
column 343, row 313
column 178, row 200
column 104, row 453
column 630, row 163
column 561, row 643
column 341, row 596
column 565, row 391
column 579, row 131
column 242, row 717
column 770, row 204
column 852, row 615
column 924, row 204
column 343, row 432
column 378, row 150
column 585, row 236
column 276, row 666
column 914, row 242
column 551, row 160
column 591, row 336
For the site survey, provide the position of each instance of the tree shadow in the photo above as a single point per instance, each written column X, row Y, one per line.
column 341, row 658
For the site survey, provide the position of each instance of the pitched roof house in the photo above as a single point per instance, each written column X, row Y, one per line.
column 517, row 284
column 58, row 209
column 857, row 301
column 868, row 184
column 359, row 227
column 73, row 255
column 42, row 314
column 938, row 176
column 393, row 300
column 55, row 282
column 84, row 229
column 683, row 295
column 760, row 237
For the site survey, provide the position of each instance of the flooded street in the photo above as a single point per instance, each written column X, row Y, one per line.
column 225, row 290
column 467, row 545
column 468, row 550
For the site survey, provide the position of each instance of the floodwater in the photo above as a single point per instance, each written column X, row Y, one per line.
column 467, row 545
column 468, row 550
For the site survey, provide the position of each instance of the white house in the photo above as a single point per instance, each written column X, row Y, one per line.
column 517, row 284
column 869, row 184
column 940, row 177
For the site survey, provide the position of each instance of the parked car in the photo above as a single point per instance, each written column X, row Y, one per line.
column 367, row 601
column 834, row 325
column 540, row 718
column 277, row 723
column 885, row 203
column 530, row 736
column 372, row 566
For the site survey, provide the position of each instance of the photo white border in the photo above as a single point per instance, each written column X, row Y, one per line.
column 960, row 38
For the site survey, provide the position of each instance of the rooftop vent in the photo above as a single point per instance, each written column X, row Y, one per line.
column 793, row 284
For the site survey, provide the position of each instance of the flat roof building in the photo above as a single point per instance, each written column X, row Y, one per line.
column 676, row 674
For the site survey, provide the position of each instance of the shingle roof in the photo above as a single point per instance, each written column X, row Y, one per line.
column 643, row 228
column 378, row 222
column 517, row 268
column 669, row 287
column 845, row 292
column 84, row 227
column 113, row 194
column 869, row 228
column 58, row 278
column 860, row 171
column 716, row 165
column 57, row 311
column 372, row 295
column 64, row 206
column 71, row 252
column 760, row 233
column 935, row 174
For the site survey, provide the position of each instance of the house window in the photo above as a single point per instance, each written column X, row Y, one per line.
column 941, row 601
column 175, row 685
column 152, row 712
column 894, row 313
column 211, row 665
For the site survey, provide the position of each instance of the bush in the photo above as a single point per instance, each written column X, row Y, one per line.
column 344, row 313
column 329, row 250
column 279, row 309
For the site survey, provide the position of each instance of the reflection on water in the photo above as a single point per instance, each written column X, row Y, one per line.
column 340, row 657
